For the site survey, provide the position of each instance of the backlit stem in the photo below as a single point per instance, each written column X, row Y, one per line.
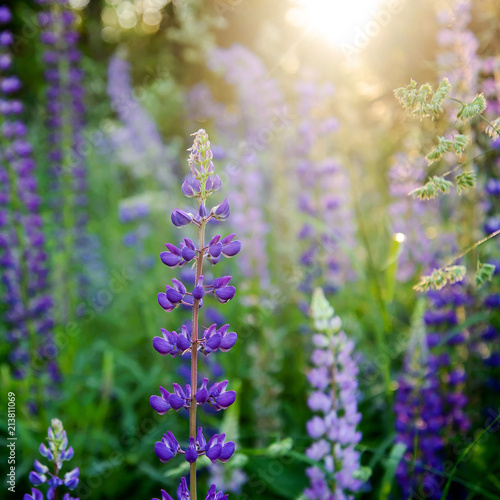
column 194, row 358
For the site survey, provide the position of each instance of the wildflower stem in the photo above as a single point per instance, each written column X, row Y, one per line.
column 460, row 165
column 194, row 358
column 472, row 247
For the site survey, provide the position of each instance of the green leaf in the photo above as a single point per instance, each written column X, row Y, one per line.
column 391, row 464
column 391, row 269
column 462, row 457
column 484, row 273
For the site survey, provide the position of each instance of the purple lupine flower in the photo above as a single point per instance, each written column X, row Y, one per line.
column 134, row 215
column 458, row 59
column 137, row 143
column 65, row 120
column 260, row 105
column 327, row 231
column 23, row 257
column 57, row 452
column 183, row 493
column 418, row 409
column 414, row 222
column 334, row 430
column 430, row 400
column 202, row 183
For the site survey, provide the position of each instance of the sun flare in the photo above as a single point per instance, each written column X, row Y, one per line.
column 336, row 20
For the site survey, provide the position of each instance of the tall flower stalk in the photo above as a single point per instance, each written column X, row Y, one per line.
column 23, row 257
column 201, row 184
column 327, row 231
column 65, row 121
column 334, row 379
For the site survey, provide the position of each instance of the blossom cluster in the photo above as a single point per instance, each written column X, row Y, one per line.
column 56, row 453
column 334, row 380
column 65, row 121
column 201, row 183
column 323, row 191
column 23, row 258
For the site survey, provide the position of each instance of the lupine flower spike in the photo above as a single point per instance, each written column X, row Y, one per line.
column 334, row 379
column 200, row 184
column 56, row 452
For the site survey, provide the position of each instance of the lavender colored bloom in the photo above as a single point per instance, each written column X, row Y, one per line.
column 430, row 402
column 327, row 232
column 65, row 111
column 56, row 452
column 133, row 214
column 260, row 104
column 335, row 428
column 203, row 183
column 458, row 59
column 414, row 222
column 183, row 493
column 137, row 142
column 23, row 258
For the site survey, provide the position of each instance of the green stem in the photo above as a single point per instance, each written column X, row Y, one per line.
column 194, row 358
column 472, row 247
column 461, row 165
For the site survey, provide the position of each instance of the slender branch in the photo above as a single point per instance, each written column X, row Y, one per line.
column 472, row 247
column 460, row 165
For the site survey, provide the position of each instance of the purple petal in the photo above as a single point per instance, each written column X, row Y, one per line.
column 191, row 454
column 183, row 343
column 169, row 259
column 163, row 453
column 225, row 294
column 228, row 341
column 162, row 346
column 214, row 452
column 214, row 341
column 215, row 250
column 227, row 451
column 187, row 254
column 174, row 296
column 159, row 405
column 221, row 282
column 232, row 248
column 164, row 302
column 176, row 402
column 228, row 239
column 198, row 292
column 173, row 249
column 226, row 399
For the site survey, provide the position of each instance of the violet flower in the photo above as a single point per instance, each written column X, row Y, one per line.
column 23, row 257
column 327, row 231
column 202, row 183
column 334, row 380
column 414, row 222
column 259, row 105
column 56, row 453
column 430, row 400
column 137, row 142
column 134, row 215
column 65, row 120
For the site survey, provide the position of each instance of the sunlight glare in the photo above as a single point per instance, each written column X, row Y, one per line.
column 336, row 20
